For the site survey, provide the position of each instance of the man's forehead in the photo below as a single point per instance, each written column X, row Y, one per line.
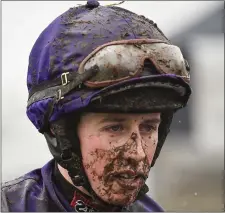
column 104, row 117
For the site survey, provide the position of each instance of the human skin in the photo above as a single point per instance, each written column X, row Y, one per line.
column 117, row 143
column 117, row 151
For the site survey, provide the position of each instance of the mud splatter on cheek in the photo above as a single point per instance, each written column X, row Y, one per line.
column 94, row 175
column 108, row 156
column 95, row 156
column 113, row 143
column 114, row 160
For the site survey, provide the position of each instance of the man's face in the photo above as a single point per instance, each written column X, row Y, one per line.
column 117, row 152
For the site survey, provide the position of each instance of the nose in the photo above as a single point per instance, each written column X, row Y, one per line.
column 135, row 150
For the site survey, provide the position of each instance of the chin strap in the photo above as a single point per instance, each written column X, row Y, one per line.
column 164, row 130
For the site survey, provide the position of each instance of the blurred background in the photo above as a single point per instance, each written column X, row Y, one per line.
column 189, row 174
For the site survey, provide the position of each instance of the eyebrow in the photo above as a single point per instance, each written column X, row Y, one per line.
column 108, row 119
column 152, row 120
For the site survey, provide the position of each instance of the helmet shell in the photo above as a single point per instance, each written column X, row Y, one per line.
column 63, row 45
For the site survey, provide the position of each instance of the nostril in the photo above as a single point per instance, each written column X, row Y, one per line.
column 132, row 162
column 133, row 135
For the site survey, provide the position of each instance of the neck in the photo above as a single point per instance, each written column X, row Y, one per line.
column 101, row 205
column 65, row 174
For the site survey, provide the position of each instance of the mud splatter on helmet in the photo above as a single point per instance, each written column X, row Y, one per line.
column 101, row 58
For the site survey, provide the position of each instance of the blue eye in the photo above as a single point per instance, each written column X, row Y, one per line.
column 146, row 128
column 115, row 128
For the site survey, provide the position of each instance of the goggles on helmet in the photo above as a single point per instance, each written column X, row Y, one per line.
column 123, row 60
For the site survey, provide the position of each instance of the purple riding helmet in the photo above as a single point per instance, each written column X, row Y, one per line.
column 101, row 59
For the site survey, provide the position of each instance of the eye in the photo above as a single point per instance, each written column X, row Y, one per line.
column 145, row 128
column 114, row 128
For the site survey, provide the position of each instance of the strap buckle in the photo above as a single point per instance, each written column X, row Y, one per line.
column 64, row 78
column 59, row 95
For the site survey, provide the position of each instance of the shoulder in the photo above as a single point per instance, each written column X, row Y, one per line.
column 26, row 181
column 16, row 193
column 145, row 204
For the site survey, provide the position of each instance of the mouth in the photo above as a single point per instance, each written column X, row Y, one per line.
column 128, row 179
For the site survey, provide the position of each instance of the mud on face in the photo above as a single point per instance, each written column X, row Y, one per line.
column 120, row 160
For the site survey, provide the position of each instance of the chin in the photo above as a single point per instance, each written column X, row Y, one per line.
column 117, row 192
column 121, row 199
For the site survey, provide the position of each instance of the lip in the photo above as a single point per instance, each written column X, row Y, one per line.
column 130, row 184
column 134, row 177
column 128, row 172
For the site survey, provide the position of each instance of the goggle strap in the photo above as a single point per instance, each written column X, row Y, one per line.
column 58, row 91
column 79, row 79
column 64, row 79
